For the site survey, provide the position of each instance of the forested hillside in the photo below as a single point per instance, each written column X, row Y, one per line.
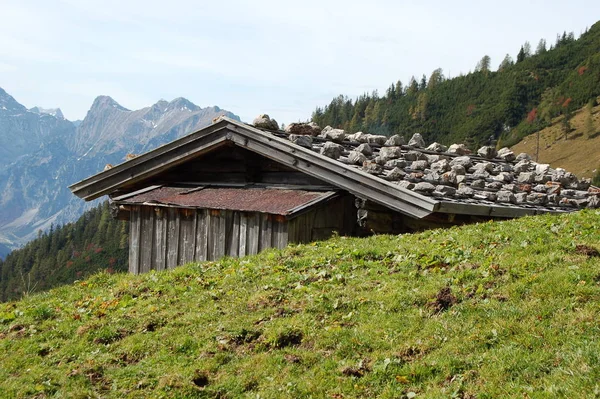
column 65, row 254
column 520, row 97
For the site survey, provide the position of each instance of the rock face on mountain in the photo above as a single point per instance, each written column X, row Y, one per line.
column 22, row 130
column 41, row 153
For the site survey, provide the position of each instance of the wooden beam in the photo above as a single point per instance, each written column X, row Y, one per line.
column 496, row 210
column 187, row 236
column 160, row 239
column 201, row 253
column 173, row 238
column 253, row 233
column 146, row 238
column 135, row 231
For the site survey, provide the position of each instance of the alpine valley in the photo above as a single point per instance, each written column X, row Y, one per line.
column 42, row 153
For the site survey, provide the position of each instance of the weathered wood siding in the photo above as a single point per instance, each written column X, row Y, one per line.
column 321, row 222
column 162, row 238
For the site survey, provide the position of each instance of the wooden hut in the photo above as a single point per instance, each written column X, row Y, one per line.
column 234, row 189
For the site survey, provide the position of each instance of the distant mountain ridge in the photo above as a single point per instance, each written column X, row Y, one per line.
column 22, row 130
column 42, row 153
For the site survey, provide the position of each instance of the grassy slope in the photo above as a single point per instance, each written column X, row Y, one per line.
column 579, row 154
column 343, row 318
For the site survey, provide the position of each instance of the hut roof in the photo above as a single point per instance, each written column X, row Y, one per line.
column 411, row 178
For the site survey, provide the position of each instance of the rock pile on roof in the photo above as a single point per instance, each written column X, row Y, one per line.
column 448, row 173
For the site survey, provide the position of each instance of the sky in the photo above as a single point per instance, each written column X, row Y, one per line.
column 251, row 57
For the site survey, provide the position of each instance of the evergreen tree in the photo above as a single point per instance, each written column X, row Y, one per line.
column 399, row 89
column 423, row 84
column 506, row 63
column 521, row 55
column 391, row 92
column 541, row 47
column 484, row 64
column 527, row 49
column 413, row 86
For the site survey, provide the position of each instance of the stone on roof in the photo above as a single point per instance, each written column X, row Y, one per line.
column 452, row 173
column 307, row 129
column 395, row 140
column 263, row 121
column 417, row 141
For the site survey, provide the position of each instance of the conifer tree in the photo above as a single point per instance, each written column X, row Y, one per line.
column 437, row 76
column 527, row 49
column 521, row 55
column 484, row 64
column 506, row 63
column 541, row 47
column 423, row 84
column 413, row 86
column 399, row 89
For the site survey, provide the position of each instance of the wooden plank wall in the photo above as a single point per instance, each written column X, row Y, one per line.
column 162, row 238
column 338, row 215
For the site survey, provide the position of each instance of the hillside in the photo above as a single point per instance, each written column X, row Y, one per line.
column 579, row 153
column 63, row 254
column 487, row 105
column 500, row 309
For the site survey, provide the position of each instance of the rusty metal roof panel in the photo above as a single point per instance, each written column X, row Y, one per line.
column 265, row 200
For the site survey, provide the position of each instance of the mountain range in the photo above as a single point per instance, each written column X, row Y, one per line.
column 42, row 153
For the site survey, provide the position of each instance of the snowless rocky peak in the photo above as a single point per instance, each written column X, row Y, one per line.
column 8, row 103
column 55, row 112
column 183, row 104
column 106, row 102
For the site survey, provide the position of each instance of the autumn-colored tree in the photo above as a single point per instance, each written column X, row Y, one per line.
column 437, row 77
column 419, row 111
column 532, row 116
